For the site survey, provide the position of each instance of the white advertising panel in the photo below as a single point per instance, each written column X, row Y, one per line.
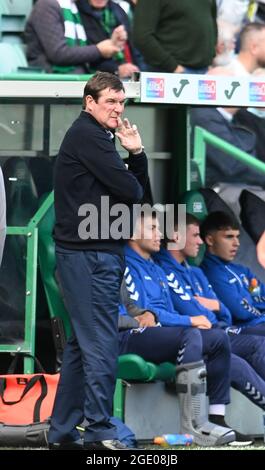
column 202, row 89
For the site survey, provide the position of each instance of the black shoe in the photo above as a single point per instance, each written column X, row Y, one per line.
column 110, row 444
column 71, row 445
column 240, row 439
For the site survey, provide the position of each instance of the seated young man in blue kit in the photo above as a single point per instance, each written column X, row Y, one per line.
column 190, row 291
column 235, row 285
column 141, row 334
column 148, row 287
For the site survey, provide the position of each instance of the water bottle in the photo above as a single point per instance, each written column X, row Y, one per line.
column 254, row 287
column 174, row 440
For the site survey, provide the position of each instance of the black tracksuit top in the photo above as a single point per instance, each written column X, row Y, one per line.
column 87, row 168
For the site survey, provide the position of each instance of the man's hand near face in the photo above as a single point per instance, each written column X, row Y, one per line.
column 129, row 136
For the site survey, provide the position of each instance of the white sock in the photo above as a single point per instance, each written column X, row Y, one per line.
column 217, row 410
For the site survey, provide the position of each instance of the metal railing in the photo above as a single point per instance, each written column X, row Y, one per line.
column 31, row 232
column 203, row 137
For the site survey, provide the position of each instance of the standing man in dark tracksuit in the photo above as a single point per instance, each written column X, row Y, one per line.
column 90, row 179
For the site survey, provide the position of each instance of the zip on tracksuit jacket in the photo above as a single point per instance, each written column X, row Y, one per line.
column 185, row 282
column 147, row 285
column 232, row 283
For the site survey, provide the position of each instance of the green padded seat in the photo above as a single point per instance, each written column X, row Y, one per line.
column 12, row 57
column 47, row 263
column 195, row 205
column 13, row 15
column 16, row 7
column 133, row 367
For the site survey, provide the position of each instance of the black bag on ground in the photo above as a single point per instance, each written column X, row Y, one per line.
column 31, row 435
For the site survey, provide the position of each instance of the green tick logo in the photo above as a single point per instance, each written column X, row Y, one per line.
column 183, row 82
column 229, row 93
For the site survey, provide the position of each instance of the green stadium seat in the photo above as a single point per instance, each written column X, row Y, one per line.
column 195, row 205
column 12, row 58
column 13, row 15
column 47, row 264
column 133, row 368
column 16, row 7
